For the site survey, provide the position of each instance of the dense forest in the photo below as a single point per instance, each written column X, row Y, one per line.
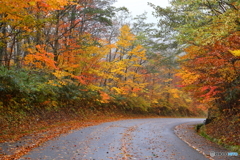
column 208, row 32
column 79, row 57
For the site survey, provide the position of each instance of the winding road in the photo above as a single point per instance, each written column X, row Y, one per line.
column 140, row 139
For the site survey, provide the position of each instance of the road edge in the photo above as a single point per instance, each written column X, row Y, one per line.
column 186, row 132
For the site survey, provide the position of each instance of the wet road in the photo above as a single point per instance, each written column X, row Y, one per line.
column 140, row 139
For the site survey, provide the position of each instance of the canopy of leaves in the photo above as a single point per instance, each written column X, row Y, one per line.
column 209, row 32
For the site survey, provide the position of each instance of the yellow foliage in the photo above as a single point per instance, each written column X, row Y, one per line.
column 236, row 53
column 154, row 101
column 174, row 92
column 119, row 91
column 57, row 4
column 53, row 83
column 54, row 103
column 59, row 74
column 187, row 77
column 94, row 87
column 133, row 95
column 126, row 37
column 168, row 80
column 228, row 74
column 188, row 100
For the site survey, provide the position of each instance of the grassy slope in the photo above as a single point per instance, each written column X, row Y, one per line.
column 225, row 131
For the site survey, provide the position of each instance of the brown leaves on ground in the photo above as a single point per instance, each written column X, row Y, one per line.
column 226, row 129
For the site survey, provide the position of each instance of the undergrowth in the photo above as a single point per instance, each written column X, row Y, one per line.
column 223, row 131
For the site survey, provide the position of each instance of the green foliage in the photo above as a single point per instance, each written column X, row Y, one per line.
column 138, row 102
column 23, row 88
column 25, row 92
column 131, row 104
column 202, row 22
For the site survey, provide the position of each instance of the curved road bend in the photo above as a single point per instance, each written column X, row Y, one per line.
column 140, row 139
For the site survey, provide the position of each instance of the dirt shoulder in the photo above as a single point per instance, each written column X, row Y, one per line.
column 187, row 133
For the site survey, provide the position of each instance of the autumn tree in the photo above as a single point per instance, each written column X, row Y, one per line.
column 21, row 24
column 207, row 38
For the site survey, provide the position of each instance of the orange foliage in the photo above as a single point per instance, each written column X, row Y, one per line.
column 40, row 58
column 207, row 71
